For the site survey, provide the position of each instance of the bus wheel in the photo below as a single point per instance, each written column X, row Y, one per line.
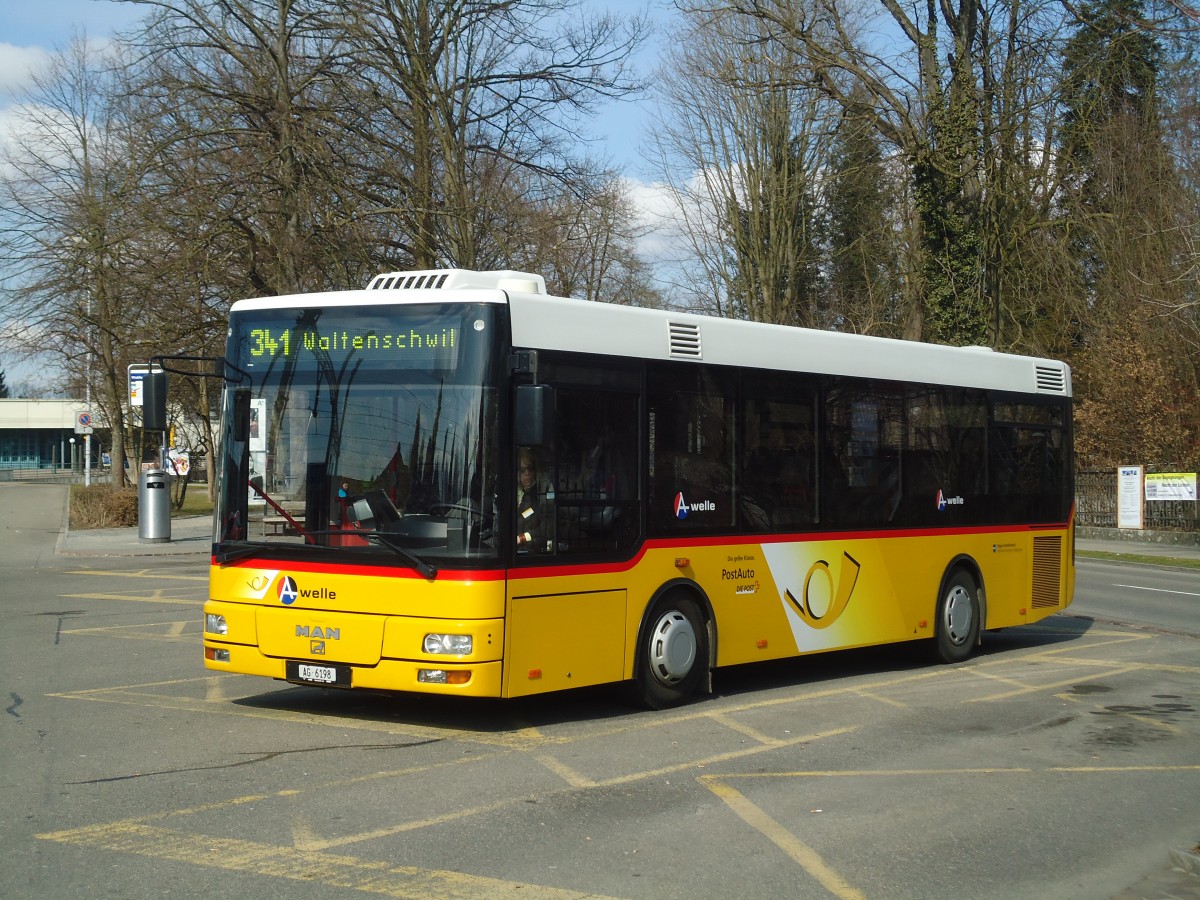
column 957, row 618
column 674, row 653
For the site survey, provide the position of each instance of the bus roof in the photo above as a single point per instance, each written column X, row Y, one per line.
column 544, row 322
column 540, row 322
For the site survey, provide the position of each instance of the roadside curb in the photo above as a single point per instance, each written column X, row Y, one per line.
column 192, row 536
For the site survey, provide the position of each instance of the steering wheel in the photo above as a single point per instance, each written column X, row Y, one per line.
column 476, row 526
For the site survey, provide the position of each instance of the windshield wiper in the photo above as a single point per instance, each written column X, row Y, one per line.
column 404, row 553
column 384, row 539
column 228, row 556
column 426, row 569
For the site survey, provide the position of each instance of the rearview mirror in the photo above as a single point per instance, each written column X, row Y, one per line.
column 154, row 401
column 534, row 415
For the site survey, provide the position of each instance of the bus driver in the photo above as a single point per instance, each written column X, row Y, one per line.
column 532, row 528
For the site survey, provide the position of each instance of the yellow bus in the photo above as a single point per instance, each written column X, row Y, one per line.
column 450, row 482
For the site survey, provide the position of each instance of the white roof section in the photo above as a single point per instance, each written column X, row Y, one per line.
column 437, row 285
column 587, row 327
column 542, row 322
column 27, row 414
column 370, row 298
column 457, row 279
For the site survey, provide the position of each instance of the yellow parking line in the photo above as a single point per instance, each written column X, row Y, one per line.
column 721, row 757
column 804, row 855
column 980, row 673
column 156, row 574
column 155, row 597
column 871, row 695
column 939, row 773
column 1109, row 672
column 172, row 630
column 1143, row 666
column 742, row 728
column 303, row 865
column 565, row 772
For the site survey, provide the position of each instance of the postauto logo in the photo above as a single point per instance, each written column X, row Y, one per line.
column 286, row 589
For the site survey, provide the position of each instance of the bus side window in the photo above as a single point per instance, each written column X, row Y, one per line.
column 864, row 432
column 596, row 483
column 777, row 462
column 692, row 410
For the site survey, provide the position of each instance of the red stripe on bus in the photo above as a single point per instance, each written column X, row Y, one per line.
column 551, row 571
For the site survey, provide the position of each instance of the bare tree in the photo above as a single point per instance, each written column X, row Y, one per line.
column 585, row 246
column 74, row 176
column 470, row 97
column 739, row 146
column 928, row 105
column 253, row 97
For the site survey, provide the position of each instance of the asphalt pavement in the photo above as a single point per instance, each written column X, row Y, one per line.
column 192, row 536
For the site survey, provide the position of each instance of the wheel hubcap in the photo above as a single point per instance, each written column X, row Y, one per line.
column 958, row 615
column 672, row 647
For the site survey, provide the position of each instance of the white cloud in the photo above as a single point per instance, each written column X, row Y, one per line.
column 658, row 219
column 17, row 65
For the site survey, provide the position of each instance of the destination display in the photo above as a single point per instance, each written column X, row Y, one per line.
column 409, row 339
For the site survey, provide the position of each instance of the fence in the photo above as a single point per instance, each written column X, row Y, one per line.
column 54, row 475
column 76, row 476
column 1096, row 504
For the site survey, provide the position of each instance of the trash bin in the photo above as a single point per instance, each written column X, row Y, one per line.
column 154, row 506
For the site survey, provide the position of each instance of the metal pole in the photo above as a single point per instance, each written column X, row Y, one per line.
column 87, row 387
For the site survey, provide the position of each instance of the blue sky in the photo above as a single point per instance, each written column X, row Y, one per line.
column 48, row 22
column 30, row 29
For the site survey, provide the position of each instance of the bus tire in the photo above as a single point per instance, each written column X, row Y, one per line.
column 673, row 655
column 957, row 618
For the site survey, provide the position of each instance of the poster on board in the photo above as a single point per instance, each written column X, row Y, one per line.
column 1129, row 497
column 1170, row 486
column 258, row 445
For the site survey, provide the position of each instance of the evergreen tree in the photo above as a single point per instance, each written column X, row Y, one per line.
column 1111, row 148
column 1111, row 66
column 3, row 386
column 1127, row 229
column 861, row 235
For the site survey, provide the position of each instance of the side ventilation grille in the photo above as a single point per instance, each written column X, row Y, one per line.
column 1047, row 572
column 1051, row 380
column 685, row 341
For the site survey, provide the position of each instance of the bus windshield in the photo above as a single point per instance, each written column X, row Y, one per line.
column 368, row 427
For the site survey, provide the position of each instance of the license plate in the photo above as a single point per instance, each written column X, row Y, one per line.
column 307, row 673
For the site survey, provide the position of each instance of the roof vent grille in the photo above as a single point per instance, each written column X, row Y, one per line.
column 685, row 340
column 448, row 279
column 1051, row 380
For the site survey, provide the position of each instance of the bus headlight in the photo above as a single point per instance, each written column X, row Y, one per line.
column 214, row 624
column 442, row 676
column 449, row 644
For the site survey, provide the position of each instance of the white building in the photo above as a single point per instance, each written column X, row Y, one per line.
column 40, row 434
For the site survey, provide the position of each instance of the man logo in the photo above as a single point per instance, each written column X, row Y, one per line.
column 287, row 590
